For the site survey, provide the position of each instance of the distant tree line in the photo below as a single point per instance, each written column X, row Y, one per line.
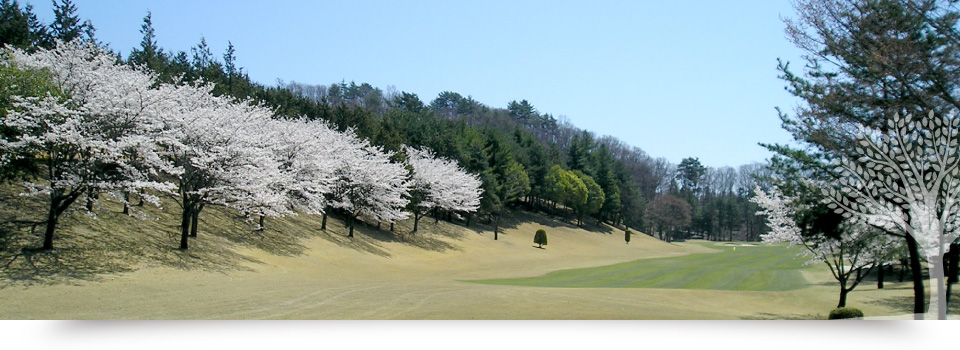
column 525, row 159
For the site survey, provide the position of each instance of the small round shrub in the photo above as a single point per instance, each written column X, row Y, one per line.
column 845, row 312
column 540, row 238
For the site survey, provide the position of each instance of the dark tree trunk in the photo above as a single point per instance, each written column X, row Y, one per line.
column 917, row 272
column 351, row 219
column 323, row 222
column 496, row 227
column 468, row 219
column 880, row 277
column 262, row 218
column 92, row 197
column 416, row 221
column 952, row 268
column 903, row 264
column 185, row 219
column 436, row 215
column 126, row 202
column 53, row 216
column 843, row 297
column 391, row 227
column 194, row 220
column 58, row 204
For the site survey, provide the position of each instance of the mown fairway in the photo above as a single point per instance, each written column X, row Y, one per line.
column 746, row 268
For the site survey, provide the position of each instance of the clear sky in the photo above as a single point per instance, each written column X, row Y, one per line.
column 675, row 78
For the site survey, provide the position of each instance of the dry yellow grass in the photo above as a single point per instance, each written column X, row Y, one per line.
column 295, row 271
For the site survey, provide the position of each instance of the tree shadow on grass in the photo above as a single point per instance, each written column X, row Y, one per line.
column 286, row 236
column 31, row 266
column 770, row 316
column 282, row 237
column 904, row 304
column 512, row 220
column 589, row 224
column 370, row 235
column 364, row 239
column 86, row 247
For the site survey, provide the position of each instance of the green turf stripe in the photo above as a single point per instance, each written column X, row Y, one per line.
column 761, row 268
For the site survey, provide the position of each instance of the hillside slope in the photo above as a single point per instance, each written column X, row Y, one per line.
column 119, row 267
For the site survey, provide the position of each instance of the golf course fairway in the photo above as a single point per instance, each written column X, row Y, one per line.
column 749, row 268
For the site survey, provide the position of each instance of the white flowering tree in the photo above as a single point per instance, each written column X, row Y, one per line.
column 96, row 133
column 222, row 151
column 440, row 183
column 342, row 146
column 366, row 183
column 906, row 181
column 850, row 249
column 305, row 150
column 17, row 83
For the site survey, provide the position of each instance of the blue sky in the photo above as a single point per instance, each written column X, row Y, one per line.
column 675, row 78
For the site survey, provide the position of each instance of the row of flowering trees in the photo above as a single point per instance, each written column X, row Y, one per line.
column 105, row 128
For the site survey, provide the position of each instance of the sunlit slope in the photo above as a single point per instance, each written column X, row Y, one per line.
column 745, row 268
column 128, row 267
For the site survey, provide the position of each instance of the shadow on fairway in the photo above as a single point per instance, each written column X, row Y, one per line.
column 904, row 304
column 514, row 219
column 87, row 248
column 769, row 316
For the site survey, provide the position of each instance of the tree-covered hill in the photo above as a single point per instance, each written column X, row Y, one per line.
column 526, row 159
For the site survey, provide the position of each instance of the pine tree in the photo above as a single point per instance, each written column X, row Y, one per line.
column 14, row 28
column 149, row 54
column 66, row 24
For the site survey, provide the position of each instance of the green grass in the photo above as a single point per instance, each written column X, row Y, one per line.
column 759, row 268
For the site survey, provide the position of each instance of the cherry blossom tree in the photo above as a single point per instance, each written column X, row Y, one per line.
column 367, row 183
column 906, row 181
column 305, row 150
column 87, row 132
column 440, row 183
column 222, row 151
column 19, row 83
column 850, row 249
